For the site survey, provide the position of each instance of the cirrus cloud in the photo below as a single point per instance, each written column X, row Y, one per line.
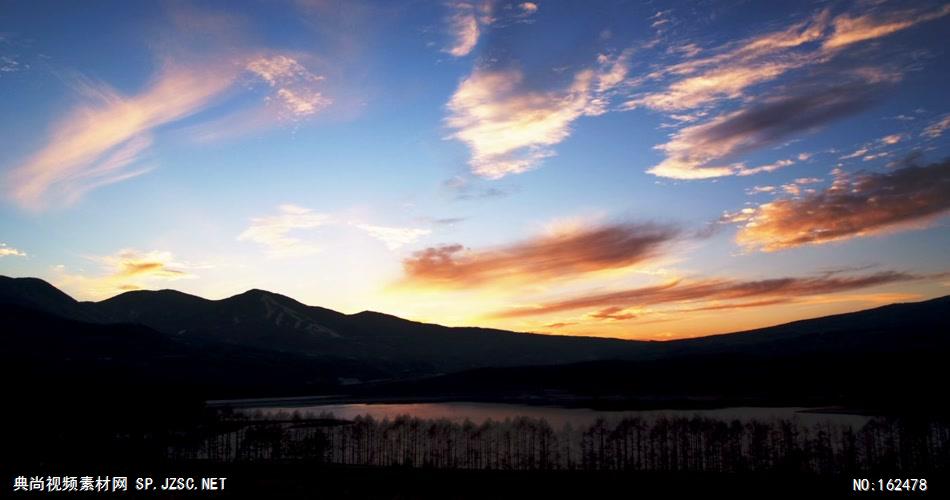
column 706, row 293
column 100, row 141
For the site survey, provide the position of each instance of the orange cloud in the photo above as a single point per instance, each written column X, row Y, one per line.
column 848, row 29
column 684, row 292
column 854, row 206
column 551, row 256
column 132, row 263
column 936, row 129
column 102, row 140
column 125, row 270
column 734, row 67
column 614, row 313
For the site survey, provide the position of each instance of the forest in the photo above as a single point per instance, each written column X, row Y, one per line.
column 885, row 445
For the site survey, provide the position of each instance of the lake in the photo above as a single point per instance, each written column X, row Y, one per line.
column 556, row 416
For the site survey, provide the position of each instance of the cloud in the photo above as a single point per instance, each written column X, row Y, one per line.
column 465, row 26
column 8, row 251
column 734, row 67
column 854, row 206
column 612, row 313
column 273, row 232
column 509, row 129
column 11, row 64
column 394, row 237
column 936, row 129
column 852, row 29
column 295, row 85
column 890, row 140
column 100, row 141
column 559, row 325
column 565, row 253
column 127, row 269
column 727, row 82
column 698, row 151
column 137, row 264
column 702, row 292
column 463, row 189
column 528, row 7
column 760, row 189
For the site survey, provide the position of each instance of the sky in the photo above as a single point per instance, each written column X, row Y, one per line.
column 643, row 170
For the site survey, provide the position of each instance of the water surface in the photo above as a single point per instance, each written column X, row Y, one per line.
column 556, row 416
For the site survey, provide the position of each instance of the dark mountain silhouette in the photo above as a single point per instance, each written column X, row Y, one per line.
column 35, row 293
column 272, row 321
column 880, row 359
column 271, row 341
column 44, row 352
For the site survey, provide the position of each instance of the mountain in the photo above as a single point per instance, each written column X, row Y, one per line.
column 404, row 348
column 375, row 346
column 883, row 359
column 48, row 356
column 37, row 294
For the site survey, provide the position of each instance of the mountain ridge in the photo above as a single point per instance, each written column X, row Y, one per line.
column 403, row 348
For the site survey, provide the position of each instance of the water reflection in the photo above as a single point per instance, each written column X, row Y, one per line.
column 556, row 416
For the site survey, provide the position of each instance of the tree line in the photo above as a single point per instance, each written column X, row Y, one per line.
column 663, row 444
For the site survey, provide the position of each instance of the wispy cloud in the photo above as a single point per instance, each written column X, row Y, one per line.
column 737, row 70
column 850, row 29
column 855, row 205
column 465, row 25
column 699, row 81
column 464, row 189
column 705, row 293
column 100, row 141
column 274, row 232
column 698, row 151
column 11, row 64
column 394, row 237
column 737, row 66
column 8, row 251
column 281, row 235
column 561, row 253
column 295, row 85
column 937, row 128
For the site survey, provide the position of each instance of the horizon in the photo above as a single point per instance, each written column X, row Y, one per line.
column 477, row 326
column 650, row 172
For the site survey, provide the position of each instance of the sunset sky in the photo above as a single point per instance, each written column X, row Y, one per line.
column 646, row 170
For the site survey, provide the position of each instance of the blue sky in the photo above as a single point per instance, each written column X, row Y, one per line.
column 631, row 169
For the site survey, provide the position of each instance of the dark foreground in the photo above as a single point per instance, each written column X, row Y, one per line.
column 303, row 480
column 323, row 457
